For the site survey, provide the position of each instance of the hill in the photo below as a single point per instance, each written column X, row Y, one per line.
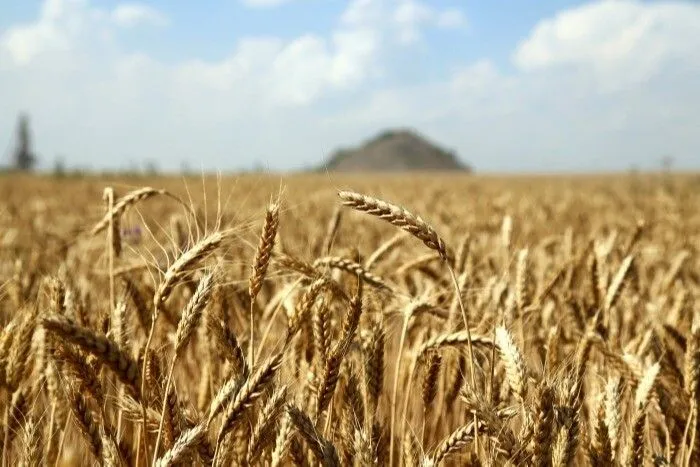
column 396, row 150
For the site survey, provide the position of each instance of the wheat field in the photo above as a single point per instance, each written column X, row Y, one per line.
column 348, row 320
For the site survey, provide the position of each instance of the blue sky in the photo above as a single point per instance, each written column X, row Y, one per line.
column 511, row 86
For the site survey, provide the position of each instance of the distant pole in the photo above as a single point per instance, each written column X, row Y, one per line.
column 667, row 163
column 24, row 157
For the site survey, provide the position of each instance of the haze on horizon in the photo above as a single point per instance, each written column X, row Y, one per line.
column 281, row 84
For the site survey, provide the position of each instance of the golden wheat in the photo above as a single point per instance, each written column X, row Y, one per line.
column 312, row 336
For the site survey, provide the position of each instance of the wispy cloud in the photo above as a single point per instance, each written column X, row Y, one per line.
column 264, row 3
column 134, row 14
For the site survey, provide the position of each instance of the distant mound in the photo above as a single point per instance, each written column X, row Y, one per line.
column 394, row 151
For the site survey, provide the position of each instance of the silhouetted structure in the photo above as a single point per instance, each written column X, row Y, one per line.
column 395, row 150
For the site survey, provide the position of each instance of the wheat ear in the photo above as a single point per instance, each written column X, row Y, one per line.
column 189, row 258
column 398, row 217
column 416, row 226
column 189, row 320
column 262, row 260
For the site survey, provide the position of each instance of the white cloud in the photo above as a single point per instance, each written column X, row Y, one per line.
column 66, row 26
column 133, row 14
column 451, row 18
column 403, row 20
column 619, row 42
column 60, row 23
column 291, row 101
column 411, row 14
column 408, row 16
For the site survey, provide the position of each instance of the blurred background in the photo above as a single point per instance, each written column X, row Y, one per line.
column 231, row 86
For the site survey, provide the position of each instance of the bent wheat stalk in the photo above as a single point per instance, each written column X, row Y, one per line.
column 128, row 200
column 188, row 322
column 416, row 226
column 186, row 260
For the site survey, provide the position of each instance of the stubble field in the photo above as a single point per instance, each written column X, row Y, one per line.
column 302, row 320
